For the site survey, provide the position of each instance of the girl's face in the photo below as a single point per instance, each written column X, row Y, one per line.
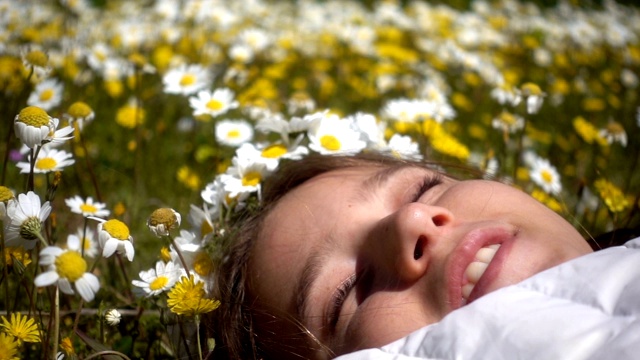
column 364, row 256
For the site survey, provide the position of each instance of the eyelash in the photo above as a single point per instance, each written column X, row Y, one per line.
column 428, row 182
column 338, row 299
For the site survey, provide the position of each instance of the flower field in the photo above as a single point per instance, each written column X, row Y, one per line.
column 136, row 130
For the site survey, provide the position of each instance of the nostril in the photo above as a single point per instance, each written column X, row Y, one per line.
column 439, row 220
column 418, row 251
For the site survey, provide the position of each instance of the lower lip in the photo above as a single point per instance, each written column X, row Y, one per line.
column 495, row 267
column 464, row 255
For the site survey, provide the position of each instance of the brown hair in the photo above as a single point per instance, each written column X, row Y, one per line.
column 243, row 328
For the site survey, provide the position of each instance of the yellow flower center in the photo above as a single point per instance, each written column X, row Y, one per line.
column 46, row 95
column 214, row 104
column 547, row 176
column 187, row 79
column 158, row 283
column 70, row 265
column 615, row 128
column 5, row 194
column 46, row 163
column 508, row 118
column 274, row 151
column 116, row 229
column 37, row 58
column 251, row 178
column 330, row 142
column 88, row 208
column 79, row 110
column 164, row 216
column 34, row 116
column 531, row 89
column 202, row 264
column 233, row 134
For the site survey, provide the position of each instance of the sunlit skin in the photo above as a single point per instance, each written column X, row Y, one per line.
column 407, row 253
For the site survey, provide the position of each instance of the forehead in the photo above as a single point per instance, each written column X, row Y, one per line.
column 299, row 225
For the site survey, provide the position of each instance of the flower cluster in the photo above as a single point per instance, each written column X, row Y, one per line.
column 120, row 111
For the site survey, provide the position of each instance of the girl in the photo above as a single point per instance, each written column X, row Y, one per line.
column 356, row 252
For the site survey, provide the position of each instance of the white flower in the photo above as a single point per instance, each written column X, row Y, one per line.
column 508, row 122
column 48, row 160
column 546, row 176
column 161, row 278
column 213, row 103
column 46, row 95
column 506, row 95
column 403, row 110
column 535, row 97
column 404, row 147
column 33, row 125
column 370, row 130
column 186, row 79
column 256, row 39
column 332, row 135
column 114, row 237
column 614, row 132
column 67, row 267
column 244, row 176
column 87, row 207
column 112, row 317
column 87, row 239
column 59, row 136
column 233, row 132
column 201, row 219
column 26, row 218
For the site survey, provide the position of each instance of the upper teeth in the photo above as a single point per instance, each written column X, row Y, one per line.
column 476, row 269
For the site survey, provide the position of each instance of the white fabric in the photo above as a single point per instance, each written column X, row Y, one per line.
column 587, row 308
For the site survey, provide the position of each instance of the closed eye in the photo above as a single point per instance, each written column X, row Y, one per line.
column 337, row 301
column 428, row 182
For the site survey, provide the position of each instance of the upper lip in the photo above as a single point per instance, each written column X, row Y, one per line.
column 464, row 253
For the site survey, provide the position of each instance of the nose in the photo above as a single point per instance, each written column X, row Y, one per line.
column 404, row 242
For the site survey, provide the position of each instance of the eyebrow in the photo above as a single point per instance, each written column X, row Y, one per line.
column 315, row 262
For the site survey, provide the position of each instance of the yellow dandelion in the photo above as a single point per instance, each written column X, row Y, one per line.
column 22, row 328
column 66, row 345
column 613, row 197
column 8, row 347
column 16, row 253
column 188, row 298
column 130, row 116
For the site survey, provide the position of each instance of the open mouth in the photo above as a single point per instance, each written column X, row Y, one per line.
column 477, row 268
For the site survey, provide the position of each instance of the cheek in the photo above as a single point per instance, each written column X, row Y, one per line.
column 383, row 320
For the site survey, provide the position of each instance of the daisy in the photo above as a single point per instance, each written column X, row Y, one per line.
column 403, row 110
column 47, row 94
column 186, row 79
column 614, row 132
column 22, row 328
column 25, row 218
column 508, row 122
column 80, row 113
column 546, row 176
column 535, row 97
column 37, row 60
column 87, row 207
column 233, row 132
column 332, row 135
column 48, row 160
column 158, row 280
column 112, row 317
column 86, row 237
column 66, row 267
column 33, row 125
column 506, row 95
column 213, row 103
column 163, row 220
column 404, row 147
column 201, row 219
column 244, row 176
column 114, row 237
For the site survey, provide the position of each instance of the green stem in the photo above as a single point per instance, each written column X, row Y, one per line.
column 197, row 319
column 56, row 322
column 179, row 252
